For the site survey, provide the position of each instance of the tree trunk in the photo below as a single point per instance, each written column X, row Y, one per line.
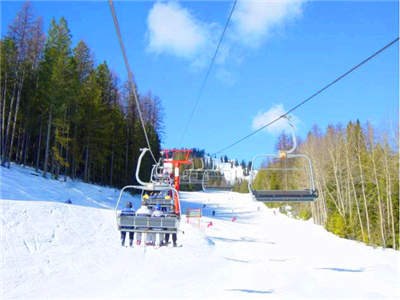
column 3, row 112
column 17, row 157
column 378, row 190
column 103, row 174
column 127, row 157
column 349, row 170
column 389, row 200
column 74, row 152
column 339, row 203
column 4, row 159
column 39, row 145
column 322, row 200
column 86, row 172
column 67, row 167
column 46, row 154
column 363, row 193
column 25, row 151
column 322, row 203
column 16, row 115
column 112, row 165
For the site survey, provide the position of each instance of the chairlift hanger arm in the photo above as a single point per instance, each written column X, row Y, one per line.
column 293, row 132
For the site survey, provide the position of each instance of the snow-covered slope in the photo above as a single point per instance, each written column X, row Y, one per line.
column 55, row 250
column 20, row 183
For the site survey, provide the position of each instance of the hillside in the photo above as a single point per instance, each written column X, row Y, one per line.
column 51, row 249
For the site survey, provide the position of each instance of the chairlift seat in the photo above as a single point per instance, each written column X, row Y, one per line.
column 163, row 224
column 281, row 195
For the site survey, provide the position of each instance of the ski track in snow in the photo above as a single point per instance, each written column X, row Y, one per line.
column 53, row 250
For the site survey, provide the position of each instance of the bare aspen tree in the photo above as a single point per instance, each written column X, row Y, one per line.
column 19, row 91
column 376, row 181
column 389, row 199
column 351, row 181
column 334, row 159
column 359, row 149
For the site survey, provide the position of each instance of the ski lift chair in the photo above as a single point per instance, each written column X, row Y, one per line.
column 192, row 175
column 169, row 223
column 282, row 177
column 158, row 176
column 214, row 181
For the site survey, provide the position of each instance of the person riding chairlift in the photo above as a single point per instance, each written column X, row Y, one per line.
column 128, row 210
column 143, row 211
column 157, row 213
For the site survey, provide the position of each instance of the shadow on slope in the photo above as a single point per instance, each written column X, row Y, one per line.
column 251, row 291
column 359, row 270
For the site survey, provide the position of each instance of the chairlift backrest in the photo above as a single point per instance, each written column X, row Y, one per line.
column 216, row 180
column 193, row 175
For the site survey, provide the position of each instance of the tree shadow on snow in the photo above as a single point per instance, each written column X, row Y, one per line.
column 237, row 260
column 359, row 270
column 242, row 239
column 251, row 291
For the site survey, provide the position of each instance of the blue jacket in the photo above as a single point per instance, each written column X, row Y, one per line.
column 126, row 211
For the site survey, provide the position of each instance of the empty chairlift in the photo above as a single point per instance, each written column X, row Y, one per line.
column 216, row 179
column 283, row 177
column 192, row 175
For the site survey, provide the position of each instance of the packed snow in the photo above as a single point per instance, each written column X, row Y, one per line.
column 53, row 249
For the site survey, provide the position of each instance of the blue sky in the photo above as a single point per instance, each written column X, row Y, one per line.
column 272, row 57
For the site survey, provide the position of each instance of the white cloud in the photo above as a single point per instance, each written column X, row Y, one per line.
column 254, row 20
column 172, row 29
column 263, row 118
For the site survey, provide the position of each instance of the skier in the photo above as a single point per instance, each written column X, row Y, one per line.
column 143, row 211
column 128, row 210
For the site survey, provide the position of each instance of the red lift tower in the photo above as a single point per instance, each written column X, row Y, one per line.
column 173, row 159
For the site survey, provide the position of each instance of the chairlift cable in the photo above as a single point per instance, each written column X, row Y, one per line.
column 208, row 72
column 130, row 76
column 312, row 96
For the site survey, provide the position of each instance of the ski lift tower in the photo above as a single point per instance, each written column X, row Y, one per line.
column 173, row 159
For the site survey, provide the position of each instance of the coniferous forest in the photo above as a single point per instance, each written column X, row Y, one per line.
column 64, row 114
